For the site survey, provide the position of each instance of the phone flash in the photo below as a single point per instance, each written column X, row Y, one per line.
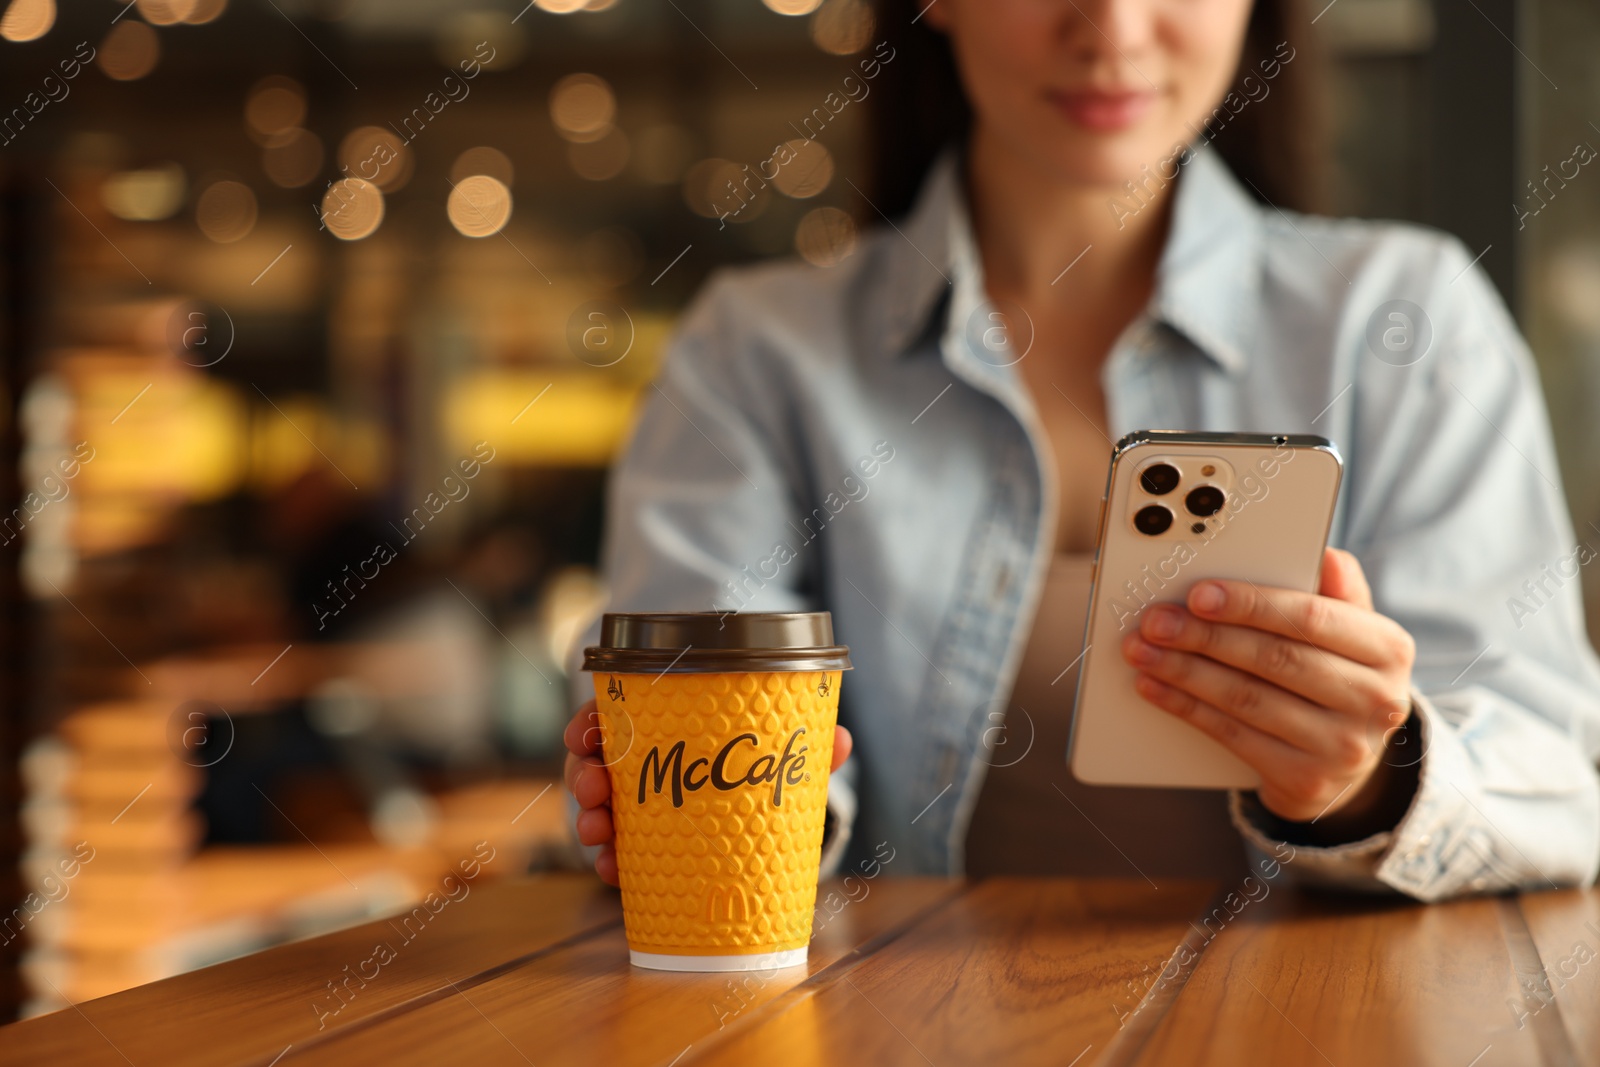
column 1208, row 470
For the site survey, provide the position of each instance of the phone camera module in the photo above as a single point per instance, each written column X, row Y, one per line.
column 1153, row 519
column 1160, row 479
column 1204, row 501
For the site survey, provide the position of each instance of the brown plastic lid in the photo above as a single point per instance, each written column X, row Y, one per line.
column 700, row 642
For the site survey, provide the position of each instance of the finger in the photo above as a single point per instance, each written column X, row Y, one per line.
column 843, row 745
column 605, row 865
column 590, row 784
column 1324, row 678
column 1256, row 704
column 1343, row 578
column 1332, row 625
column 595, row 827
column 1266, row 754
column 582, row 735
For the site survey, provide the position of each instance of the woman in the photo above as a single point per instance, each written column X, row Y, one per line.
column 1144, row 283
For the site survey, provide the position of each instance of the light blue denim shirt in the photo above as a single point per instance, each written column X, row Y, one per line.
column 844, row 439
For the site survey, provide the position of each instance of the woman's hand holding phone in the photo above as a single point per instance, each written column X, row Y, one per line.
column 590, row 783
column 1304, row 687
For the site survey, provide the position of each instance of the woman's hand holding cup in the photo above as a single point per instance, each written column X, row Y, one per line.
column 590, row 783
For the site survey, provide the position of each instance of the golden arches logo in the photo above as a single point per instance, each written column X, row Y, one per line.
column 727, row 903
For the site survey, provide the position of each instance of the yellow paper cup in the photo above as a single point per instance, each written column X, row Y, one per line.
column 717, row 731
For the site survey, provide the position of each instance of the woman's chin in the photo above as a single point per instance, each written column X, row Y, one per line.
column 1110, row 170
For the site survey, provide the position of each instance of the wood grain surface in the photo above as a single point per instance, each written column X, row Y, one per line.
column 1016, row 972
column 1321, row 979
column 1078, row 973
column 1565, row 928
column 586, row 1005
column 247, row 1011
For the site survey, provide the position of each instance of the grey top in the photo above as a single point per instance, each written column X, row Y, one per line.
column 1033, row 817
column 842, row 439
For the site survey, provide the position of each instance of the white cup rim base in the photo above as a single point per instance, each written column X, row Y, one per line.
column 761, row 961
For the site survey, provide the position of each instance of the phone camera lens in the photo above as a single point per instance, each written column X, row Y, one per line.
column 1206, row 500
column 1159, row 479
column 1152, row 519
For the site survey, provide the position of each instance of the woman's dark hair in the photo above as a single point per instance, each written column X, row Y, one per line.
column 1275, row 145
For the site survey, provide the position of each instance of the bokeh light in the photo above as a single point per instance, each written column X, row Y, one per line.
column 582, row 107
column 600, row 160
column 721, row 189
column 293, row 159
column 479, row 206
column 27, row 20
column 482, row 160
column 560, row 7
column 377, row 155
column 166, row 12
column 206, row 11
column 274, row 106
column 841, row 27
column 226, row 211
column 793, row 7
column 145, row 195
column 807, row 173
column 825, row 236
column 352, row 209
column 129, row 51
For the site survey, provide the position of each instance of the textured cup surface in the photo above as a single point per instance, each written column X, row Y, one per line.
column 719, row 792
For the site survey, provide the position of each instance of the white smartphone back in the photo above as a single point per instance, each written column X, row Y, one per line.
column 1274, row 496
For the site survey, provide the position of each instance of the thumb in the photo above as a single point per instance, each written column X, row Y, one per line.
column 1343, row 579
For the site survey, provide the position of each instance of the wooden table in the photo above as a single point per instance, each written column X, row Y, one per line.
column 1017, row 971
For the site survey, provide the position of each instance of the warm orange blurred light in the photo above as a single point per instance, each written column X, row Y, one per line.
column 841, row 27
column 144, row 195
column 166, row 12
column 226, row 211
column 582, row 106
column 27, row 20
column 206, row 11
column 600, row 160
column 274, row 106
column 479, row 206
column 352, row 209
column 825, row 236
column 129, row 51
column 720, row 188
column 482, row 160
column 807, row 173
column 293, row 160
column 376, row 155
column 582, row 420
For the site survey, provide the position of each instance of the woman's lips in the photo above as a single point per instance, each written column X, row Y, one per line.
column 1103, row 111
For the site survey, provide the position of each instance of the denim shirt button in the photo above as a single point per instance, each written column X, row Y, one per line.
column 1424, row 841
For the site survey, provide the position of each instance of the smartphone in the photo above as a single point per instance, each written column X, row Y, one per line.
column 1180, row 507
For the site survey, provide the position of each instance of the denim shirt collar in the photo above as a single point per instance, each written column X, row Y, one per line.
column 1208, row 283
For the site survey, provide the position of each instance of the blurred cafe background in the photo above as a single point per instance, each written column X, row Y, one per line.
column 322, row 321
